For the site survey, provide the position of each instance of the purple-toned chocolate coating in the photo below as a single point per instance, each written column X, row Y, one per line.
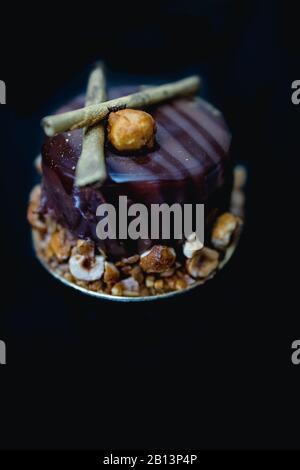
column 189, row 164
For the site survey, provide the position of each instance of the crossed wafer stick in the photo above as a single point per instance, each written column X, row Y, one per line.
column 91, row 164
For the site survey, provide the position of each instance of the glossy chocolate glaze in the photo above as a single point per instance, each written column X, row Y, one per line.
column 189, row 164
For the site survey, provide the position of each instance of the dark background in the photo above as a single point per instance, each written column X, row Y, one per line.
column 211, row 369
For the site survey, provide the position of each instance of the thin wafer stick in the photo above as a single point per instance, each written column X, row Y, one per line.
column 93, row 114
column 91, row 166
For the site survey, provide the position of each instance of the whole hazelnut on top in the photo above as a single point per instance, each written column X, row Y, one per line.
column 131, row 129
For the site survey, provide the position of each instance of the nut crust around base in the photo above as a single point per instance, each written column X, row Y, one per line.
column 132, row 278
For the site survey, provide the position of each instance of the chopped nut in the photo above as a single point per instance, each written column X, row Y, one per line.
column 85, row 248
column 33, row 215
column 240, row 177
column 125, row 261
column 95, row 286
column 39, row 239
column 68, row 276
column 81, row 283
column 189, row 280
column 237, row 203
column 86, row 268
column 38, row 164
column 111, row 273
column 130, row 286
column 144, row 292
column 60, row 244
column 180, row 273
column 159, row 284
column 48, row 252
column 131, row 129
column 157, row 260
column 180, row 284
column 34, row 218
column 51, row 224
column 137, row 274
column 117, row 289
column 127, row 287
column 126, row 269
column 168, row 273
column 223, row 230
column 53, row 263
column 171, row 282
column 63, row 268
column 149, row 281
column 192, row 245
column 131, row 260
column 35, row 194
column 203, row 263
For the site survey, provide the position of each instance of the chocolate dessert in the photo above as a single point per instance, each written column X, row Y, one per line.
column 172, row 151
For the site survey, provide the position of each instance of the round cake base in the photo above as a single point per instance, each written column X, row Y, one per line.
column 101, row 295
column 237, row 207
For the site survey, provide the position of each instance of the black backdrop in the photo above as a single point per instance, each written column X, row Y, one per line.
column 207, row 370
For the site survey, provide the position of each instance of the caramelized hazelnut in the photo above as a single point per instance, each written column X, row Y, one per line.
column 203, row 263
column 131, row 129
column 158, row 260
column 83, row 268
column 224, row 228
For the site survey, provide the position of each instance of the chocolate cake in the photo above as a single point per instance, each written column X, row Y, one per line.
column 188, row 163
